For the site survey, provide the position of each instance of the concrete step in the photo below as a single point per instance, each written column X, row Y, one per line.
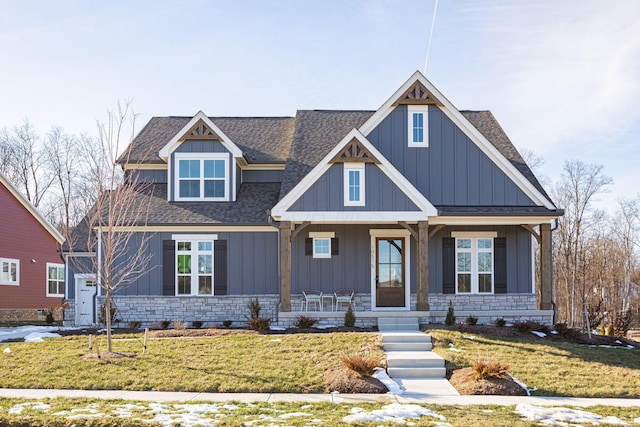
column 389, row 337
column 426, row 387
column 414, row 359
column 386, row 324
column 417, row 372
column 407, row 346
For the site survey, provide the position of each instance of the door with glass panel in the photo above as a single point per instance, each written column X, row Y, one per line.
column 390, row 282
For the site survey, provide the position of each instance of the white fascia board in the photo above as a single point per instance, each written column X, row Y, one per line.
column 491, row 220
column 196, row 228
column 452, row 112
column 32, row 210
column 353, row 216
column 145, row 166
column 426, row 208
column 171, row 146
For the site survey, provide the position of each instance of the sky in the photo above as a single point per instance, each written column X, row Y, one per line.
column 561, row 77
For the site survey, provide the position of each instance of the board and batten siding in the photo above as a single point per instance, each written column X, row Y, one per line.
column 76, row 265
column 327, row 193
column 452, row 170
column 262, row 175
column 155, row 176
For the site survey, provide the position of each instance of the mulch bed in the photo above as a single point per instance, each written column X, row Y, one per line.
column 463, row 381
column 343, row 380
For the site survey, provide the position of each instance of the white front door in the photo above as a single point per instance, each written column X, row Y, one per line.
column 86, row 289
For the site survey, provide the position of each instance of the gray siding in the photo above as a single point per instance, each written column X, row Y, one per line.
column 76, row 265
column 201, row 147
column 158, row 176
column 452, row 170
column 327, row 193
column 252, row 264
column 262, row 175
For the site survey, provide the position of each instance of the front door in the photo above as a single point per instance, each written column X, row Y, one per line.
column 390, row 282
column 85, row 290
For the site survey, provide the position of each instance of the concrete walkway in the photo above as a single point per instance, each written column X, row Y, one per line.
column 163, row 396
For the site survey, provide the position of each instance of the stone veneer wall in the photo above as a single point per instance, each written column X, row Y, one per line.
column 28, row 314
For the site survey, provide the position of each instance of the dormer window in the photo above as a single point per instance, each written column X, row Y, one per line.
column 418, row 125
column 201, row 177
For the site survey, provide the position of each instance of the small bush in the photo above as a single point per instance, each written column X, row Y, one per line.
column 349, row 318
column 254, row 308
column 260, row 324
column 135, row 324
column 49, row 319
column 102, row 319
column 567, row 332
column 488, row 368
column 500, row 323
column 529, row 325
column 227, row 323
column 165, row 324
column 451, row 318
column 622, row 323
column 179, row 324
column 364, row 366
column 304, row 322
column 197, row 324
column 472, row 320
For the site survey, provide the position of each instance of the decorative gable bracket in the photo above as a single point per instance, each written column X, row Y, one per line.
column 417, row 94
column 355, row 152
column 200, row 131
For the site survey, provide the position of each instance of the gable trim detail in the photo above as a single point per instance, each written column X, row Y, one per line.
column 199, row 123
column 280, row 210
column 419, row 80
column 355, row 152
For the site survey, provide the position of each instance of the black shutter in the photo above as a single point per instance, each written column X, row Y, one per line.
column 220, row 267
column 334, row 247
column 500, row 265
column 308, row 246
column 448, row 265
column 168, row 267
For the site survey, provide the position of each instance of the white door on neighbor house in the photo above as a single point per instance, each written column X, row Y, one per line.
column 86, row 289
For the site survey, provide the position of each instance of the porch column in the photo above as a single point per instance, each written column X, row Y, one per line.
column 423, row 266
column 285, row 266
column 544, row 296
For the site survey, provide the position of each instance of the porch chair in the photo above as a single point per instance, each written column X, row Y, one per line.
column 312, row 297
column 344, row 296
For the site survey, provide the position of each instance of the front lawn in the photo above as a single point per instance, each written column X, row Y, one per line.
column 554, row 368
column 243, row 362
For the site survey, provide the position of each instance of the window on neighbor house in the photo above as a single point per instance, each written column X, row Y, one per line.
column 203, row 177
column 55, row 280
column 474, row 264
column 418, row 129
column 194, row 267
column 354, row 184
column 9, row 271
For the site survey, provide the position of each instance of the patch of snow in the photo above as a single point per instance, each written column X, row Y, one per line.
column 628, row 347
column 22, row 331
column 277, row 328
column 618, row 342
column 508, row 325
column 276, row 340
column 7, row 350
column 538, row 333
column 38, row 336
column 488, row 411
column 36, row 406
column 637, row 420
column 521, row 384
column 469, row 337
column 452, row 348
column 324, row 326
column 294, row 414
column 554, row 332
column 381, row 375
column 394, row 413
column 559, row 416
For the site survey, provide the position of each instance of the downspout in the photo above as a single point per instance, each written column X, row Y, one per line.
column 553, row 303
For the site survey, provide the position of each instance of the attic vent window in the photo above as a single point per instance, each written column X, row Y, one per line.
column 418, row 126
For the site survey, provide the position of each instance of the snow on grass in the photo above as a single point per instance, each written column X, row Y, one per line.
column 453, row 348
column 469, row 337
column 8, row 333
column 381, row 375
column 277, row 328
column 394, row 413
column 38, row 336
column 558, row 416
column 538, row 333
column 36, row 406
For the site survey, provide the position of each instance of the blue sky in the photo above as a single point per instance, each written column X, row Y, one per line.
column 562, row 77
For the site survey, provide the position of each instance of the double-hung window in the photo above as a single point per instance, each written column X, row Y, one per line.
column 202, row 177
column 418, row 125
column 194, row 266
column 321, row 243
column 55, row 280
column 9, row 271
column 474, row 263
column 354, row 184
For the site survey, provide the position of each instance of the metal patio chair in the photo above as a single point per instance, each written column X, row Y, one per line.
column 345, row 297
column 312, row 297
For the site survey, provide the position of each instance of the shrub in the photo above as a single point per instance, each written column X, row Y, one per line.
column 472, row 320
column 364, row 366
column 567, row 332
column 227, row 323
column 349, row 318
column 529, row 325
column 488, row 368
column 500, row 323
column 254, row 308
column 304, row 322
column 451, row 318
column 103, row 319
column 622, row 323
column 134, row 324
column 165, row 324
column 260, row 324
column 197, row 324
column 49, row 319
column 179, row 324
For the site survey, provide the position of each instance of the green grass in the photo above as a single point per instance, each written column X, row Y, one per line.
column 225, row 363
column 61, row 412
column 554, row 368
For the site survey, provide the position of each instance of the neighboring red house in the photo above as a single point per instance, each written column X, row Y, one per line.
column 31, row 269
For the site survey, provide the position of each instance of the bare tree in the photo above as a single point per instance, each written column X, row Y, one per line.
column 626, row 230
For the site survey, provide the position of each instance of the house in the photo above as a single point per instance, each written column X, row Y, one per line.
column 413, row 205
column 31, row 268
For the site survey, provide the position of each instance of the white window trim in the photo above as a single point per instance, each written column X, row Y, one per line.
column 51, row 264
column 348, row 167
column 194, row 239
column 424, row 109
column 14, row 261
column 321, row 235
column 201, row 157
column 474, row 236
